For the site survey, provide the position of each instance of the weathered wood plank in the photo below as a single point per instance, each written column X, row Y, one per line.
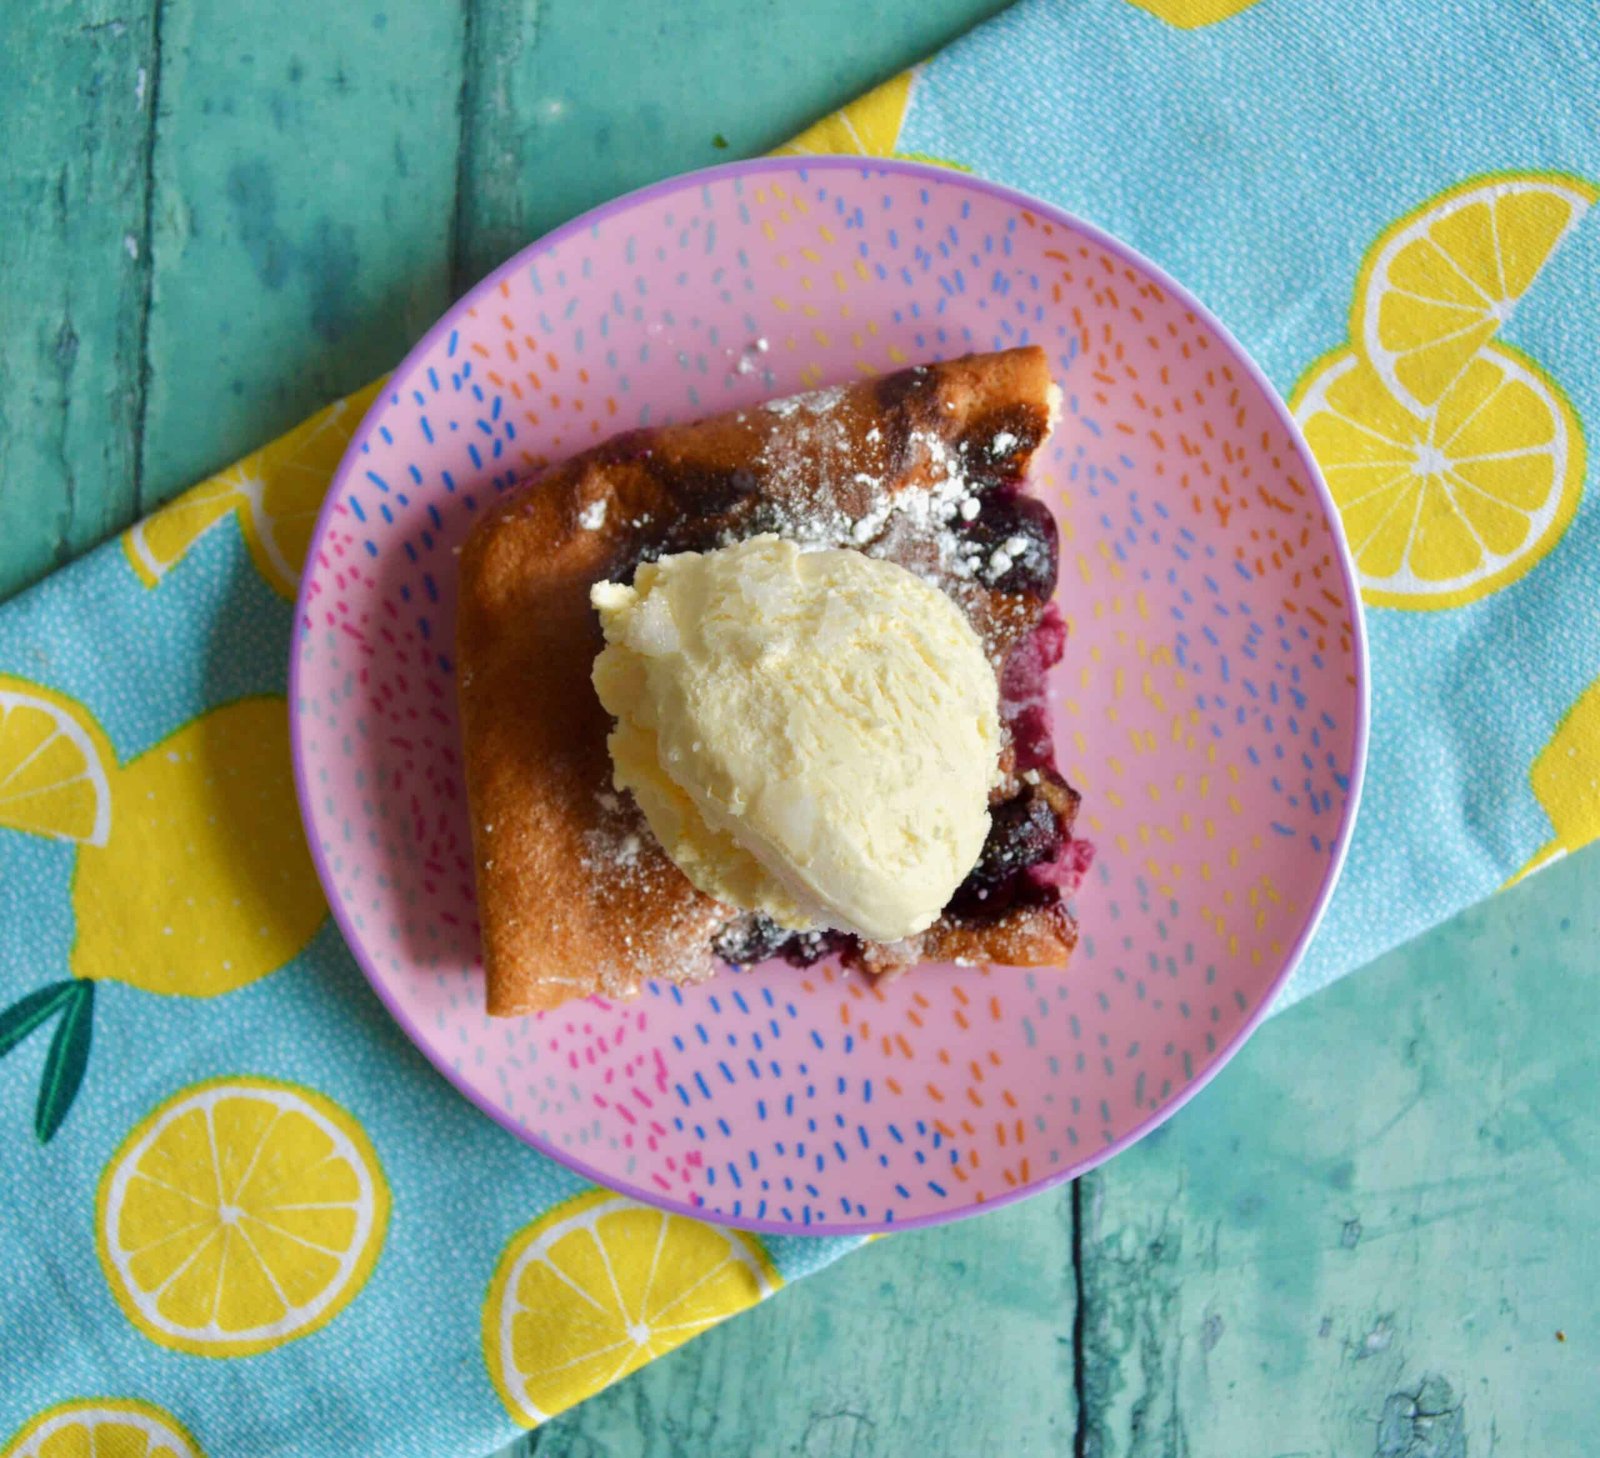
column 304, row 177
column 572, row 102
column 956, row 1340
column 1367, row 1235
column 74, row 115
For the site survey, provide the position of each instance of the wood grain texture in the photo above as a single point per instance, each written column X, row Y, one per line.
column 75, row 97
column 304, row 181
column 1365, row 1237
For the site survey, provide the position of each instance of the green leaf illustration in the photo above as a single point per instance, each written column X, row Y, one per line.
column 65, row 1062
column 21, row 1018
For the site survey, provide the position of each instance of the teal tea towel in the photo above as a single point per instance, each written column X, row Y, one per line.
column 1385, row 202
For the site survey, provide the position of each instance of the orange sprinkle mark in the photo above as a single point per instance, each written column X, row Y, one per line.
column 479, row 350
column 535, row 381
column 505, row 293
column 944, row 1128
column 944, row 1056
column 919, row 999
column 506, row 319
column 888, row 1047
column 968, row 1130
column 913, row 1018
column 1000, row 1135
column 894, row 1086
column 972, row 1159
column 516, row 390
column 877, row 993
column 934, row 1094
column 977, row 1069
column 495, row 380
column 1009, row 1097
column 902, row 1045
column 1018, row 1132
column 553, row 362
column 844, row 1014
column 959, row 1173
column 530, row 341
column 972, row 1096
column 533, row 418
column 594, row 427
column 960, row 994
column 611, row 405
column 578, row 406
column 806, row 985
column 961, row 1020
column 854, row 989
column 527, row 458
column 583, row 375
column 1011, row 1179
column 994, row 1008
column 994, row 1057
column 511, row 351
column 555, row 400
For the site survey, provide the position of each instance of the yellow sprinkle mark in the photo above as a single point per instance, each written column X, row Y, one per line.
column 801, row 206
column 846, row 312
column 811, row 311
column 872, row 329
column 1205, row 786
column 1234, row 805
column 1115, row 799
column 1144, row 833
column 811, row 255
column 1117, row 678
column 825, row 233
column 863, row 272
column 1115, row 763
column 1261, row 920
column 1083, row 568
column 785, row 216
column 1233, row 945
column 1210, row 828
column 1078, row 741
column 1154, row 792
column 1233, row 858
column 896, row 354
column 1122, row 844
column 783, row 260
column 1205, row 870
column 1185, row 822
column 778, row 190
column 811, row 376
column 805, row 282
column 768, row 230
column 865, row 367
column 780, row 303
column 1141, row 605
column 761, row 194
column 821, row 337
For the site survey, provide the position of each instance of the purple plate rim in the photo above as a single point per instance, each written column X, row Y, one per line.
column 943, row 177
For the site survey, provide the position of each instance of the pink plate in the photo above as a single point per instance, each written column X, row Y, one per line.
column 1211, row 708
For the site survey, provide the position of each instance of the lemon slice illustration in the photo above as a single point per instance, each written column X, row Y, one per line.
column 53, row 762
column 1444, row 508
column 868, row 127
column 242, row 1214
column 103, row 1427
column 601, row 1285
column 1437, row 285
column 276, row 493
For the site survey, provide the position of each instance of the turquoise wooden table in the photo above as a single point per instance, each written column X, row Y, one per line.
column 1372, row 1235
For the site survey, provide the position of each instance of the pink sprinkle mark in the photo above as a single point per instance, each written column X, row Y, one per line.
column 572, row 1060
column 642, row 1097
column 664, row 1185
column 626, row 1114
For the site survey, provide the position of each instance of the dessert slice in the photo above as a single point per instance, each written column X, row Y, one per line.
column 924, row 469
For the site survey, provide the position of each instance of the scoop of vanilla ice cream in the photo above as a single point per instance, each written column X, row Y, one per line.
column 810, row 734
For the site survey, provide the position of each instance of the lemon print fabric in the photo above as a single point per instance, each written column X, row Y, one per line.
column 103, row 1427
column 275, row 494
column 191, row 877
column 1445, row 506
column 1456, row 463
column 241, row 1214
column 601, row 1285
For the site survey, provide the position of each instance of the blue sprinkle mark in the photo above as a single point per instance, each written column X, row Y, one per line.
column 861, row 1134
column 700, row 1082
column 937, row 1188
column 816, row 1038
column 388, row 515
column 411, row 552
column 761, row 1109
column 838, row 1149
column 377, row 480
column 416, row 475
column 449, row 481
column 499, row 449
column 866, row 1091
column 788, row 1104
column 733, row 1174
column 483, row 425
column 372, row 549
column 896, row 1135
column 1282, row 829
column 477, row 460
column 383, row 430
column 450, row 353
column 355, row 506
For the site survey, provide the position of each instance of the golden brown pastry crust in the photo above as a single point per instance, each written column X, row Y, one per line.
column 574, row 895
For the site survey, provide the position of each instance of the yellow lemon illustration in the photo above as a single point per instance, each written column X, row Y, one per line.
column 242, row 1214
column 1436, row 286
column 103, row 1427
column 205, row 884
column 1192, row 14
column 191, row 876
column 276, row 493
column 1566, row 782
column 868, row 127
column 601, row 1285
column 1445, row 507
column 53, row 761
